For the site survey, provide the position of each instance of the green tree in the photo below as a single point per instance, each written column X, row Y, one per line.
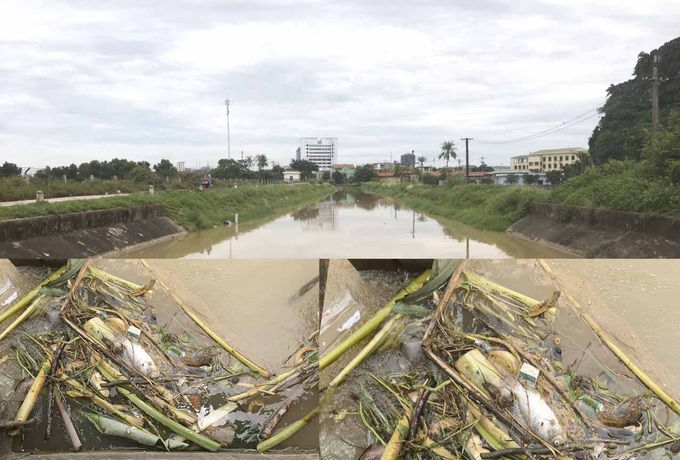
column 142, row 174
column 511, row 179
column 306, row 168
column 92, row 168
column 165, row 168
column 555, row 177
column 531, row 179
column 249, row 162
column 277, row 172
column 448, row 153
column 262, row 162
column 663, row 150
column 230, row 169
column 365, row 173
column 9, row 170
column 338, row 177
column 326, row 175
column 626, row 115
column 422, row 161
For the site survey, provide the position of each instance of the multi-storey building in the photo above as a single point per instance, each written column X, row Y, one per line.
column 409, row 159
column 547, row 160
column 322, row 151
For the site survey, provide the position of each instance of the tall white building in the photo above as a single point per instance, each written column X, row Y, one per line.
column 322, row 151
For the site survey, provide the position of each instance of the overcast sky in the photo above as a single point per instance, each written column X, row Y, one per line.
column 147, row 80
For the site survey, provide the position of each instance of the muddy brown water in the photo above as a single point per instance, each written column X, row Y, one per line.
column 267, row 324
column 348, row 224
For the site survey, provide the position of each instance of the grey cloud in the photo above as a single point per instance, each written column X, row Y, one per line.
column 485, row 76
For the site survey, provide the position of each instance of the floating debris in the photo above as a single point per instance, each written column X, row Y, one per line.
column 104, row 354
column 493, row 383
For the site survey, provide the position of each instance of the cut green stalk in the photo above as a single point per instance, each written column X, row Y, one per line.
column 82, row 392
column 112, row 278
column 25, row 314
column 262, row 388
column 32, row 395
column 112, row 427
column 365, row 352
column 112, row 375
column 393, row 448
column 231, row 350
column 606, row 338
column 372, row 324
column 23, row 303
column 287, row 432
column 438, row 449
column 483, row 283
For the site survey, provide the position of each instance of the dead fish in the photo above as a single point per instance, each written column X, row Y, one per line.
column 530, row 408
column 199, row 358
column 626, row 413
column 136, row 355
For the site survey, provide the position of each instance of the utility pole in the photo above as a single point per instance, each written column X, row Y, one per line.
column 459, row 162
column 655, row 94
column 467, row 158
column 226, row 102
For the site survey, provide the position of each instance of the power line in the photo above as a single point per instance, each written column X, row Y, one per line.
column 564, row 125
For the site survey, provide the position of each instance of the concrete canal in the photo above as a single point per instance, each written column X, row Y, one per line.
column 348, row 224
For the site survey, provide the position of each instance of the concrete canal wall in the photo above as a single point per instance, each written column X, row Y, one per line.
column 82, row 234
column 603, row 233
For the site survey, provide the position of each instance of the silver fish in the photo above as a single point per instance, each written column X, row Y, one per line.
column 139, row 358
column 531, row 410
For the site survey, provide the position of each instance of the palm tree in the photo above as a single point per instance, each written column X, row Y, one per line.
column 422, row 161
column 448, row 153
column 249, row 162
column 262, row 163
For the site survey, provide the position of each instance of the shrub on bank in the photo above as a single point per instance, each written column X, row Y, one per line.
column 192, row 209
column 487, row 207
column 622, row 186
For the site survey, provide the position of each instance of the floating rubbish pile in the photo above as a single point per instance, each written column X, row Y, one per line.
column 494, row 383
column 105, row 365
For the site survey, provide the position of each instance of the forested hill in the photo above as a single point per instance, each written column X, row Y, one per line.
column 627, row 113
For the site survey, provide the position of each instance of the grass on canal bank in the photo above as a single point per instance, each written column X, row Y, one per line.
column 486, row 207
column 193, row 210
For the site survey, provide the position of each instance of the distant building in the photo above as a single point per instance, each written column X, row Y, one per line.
column 291, row 176
column 347, row 169
column 181, row 166
column 409, row 159
column 384, row 165
column 391, row 177
column 297, row 154
column 501, row 178
column 547, row 160
column 322, row 151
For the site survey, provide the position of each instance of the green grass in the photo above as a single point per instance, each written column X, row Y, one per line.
column 622, row 186
column 486, row 207
column 16, row 188
column 193, row 210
